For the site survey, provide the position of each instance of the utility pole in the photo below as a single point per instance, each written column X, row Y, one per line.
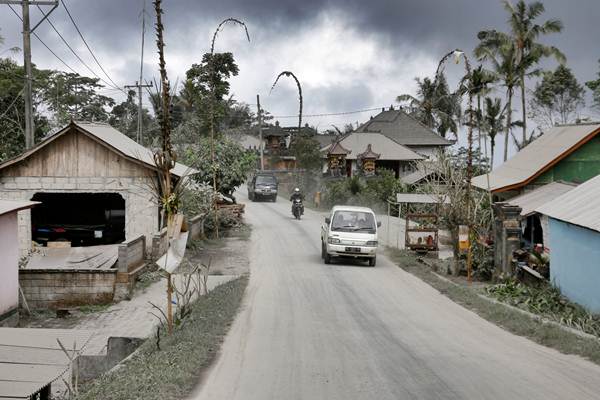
column 140, row 123
column 27, row 31
column 260, row 132
column 138, row 84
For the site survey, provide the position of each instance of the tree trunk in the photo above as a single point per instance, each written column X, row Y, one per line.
column 508, row 122
column 479, row 124
column 492, row 145
column 524, row 107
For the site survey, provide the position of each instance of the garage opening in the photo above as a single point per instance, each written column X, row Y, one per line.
column 78, row 219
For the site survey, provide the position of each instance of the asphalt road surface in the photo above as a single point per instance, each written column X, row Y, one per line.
column 348, row 331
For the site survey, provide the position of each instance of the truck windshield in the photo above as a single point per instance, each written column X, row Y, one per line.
column 353, row 221
column 265, row 180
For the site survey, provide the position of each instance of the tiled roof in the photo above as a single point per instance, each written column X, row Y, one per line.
column 403, row 129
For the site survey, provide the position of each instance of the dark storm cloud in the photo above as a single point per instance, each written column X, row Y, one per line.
column 402, row 27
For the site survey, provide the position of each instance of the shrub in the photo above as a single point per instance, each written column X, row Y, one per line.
column 371, row 192
column 196, row 199
column 232, row 162
column 546, row 300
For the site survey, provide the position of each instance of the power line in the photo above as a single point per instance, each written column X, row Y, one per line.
column 86, row 45
column 330, row 114
column 12, row 104
column 44, row 44
column 74, row 52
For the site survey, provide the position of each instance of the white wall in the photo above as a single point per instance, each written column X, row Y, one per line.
column 9, row 263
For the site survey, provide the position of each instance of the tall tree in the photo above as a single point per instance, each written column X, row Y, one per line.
column 493, row 123
column 12, row 107
column 72, row 96
column 595, row 88
column 496, row 48
column 478, row 85
column 196, row 91
column 123, row 117
column 557, row 98
column 524, row 33
column 435, row 106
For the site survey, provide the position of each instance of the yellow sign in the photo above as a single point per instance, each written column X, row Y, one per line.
column 463, row 238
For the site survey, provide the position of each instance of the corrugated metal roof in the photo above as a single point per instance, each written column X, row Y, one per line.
column 415, row 177
column 381, row 144
column 421, row 198
column 128, row 146
column 579, row 206
column 100, row 257
column 7, row 206
column 403, row 129
column 537, row 157
column 110, row 137
column 530, row 201
column 30, row 359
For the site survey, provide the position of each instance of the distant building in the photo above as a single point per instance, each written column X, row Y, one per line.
column 569, row 153
column 347, row 155
column 405, row 130
column 9, row 266
column 574, row 220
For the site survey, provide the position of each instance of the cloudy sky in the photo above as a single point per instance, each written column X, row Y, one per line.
column 349, row 55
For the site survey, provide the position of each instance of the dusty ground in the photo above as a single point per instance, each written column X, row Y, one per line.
column 226, row 257
column 347, row 331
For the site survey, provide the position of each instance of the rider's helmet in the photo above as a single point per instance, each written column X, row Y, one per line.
column 296, row 190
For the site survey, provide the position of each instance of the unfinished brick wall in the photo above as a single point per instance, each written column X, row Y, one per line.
column 52, row 289
column 141, row 211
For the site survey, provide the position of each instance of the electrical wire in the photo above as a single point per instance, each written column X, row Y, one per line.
column 86, row 45
column 330, row 114
column 42, row 42
column 12, row 104
column 74, row 52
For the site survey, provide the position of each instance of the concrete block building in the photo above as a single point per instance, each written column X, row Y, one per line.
column 94, row 183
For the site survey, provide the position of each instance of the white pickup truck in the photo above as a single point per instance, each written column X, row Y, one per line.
column 350, row 232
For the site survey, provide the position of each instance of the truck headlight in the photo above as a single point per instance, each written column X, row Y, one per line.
column 332, row 240
column 371, row 243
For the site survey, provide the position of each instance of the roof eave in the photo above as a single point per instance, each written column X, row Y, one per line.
column 551, row 164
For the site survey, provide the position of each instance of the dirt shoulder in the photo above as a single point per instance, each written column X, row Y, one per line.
column 226, row 256
column 509, row 318
column 169, row 367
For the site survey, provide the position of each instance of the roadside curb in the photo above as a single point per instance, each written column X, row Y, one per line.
column 536, row 317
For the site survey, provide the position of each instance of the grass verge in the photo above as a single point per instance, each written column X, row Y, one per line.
column 174, row 370
column 505, row 317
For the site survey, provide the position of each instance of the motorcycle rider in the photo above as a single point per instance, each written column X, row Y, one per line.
column 296, row 194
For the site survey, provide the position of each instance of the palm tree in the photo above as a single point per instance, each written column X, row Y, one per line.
column 499, row 50
column 493, row 122
column 524, row 32
column 477, row 84
column 435, row 106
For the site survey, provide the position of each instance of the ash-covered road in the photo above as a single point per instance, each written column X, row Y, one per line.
column 347, row 331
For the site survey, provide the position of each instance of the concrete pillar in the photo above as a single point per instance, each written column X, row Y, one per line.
column 507, row 237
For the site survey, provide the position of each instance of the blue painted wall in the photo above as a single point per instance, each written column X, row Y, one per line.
column 575, row 263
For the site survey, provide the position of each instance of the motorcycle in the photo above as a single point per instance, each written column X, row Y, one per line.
column 297, row 208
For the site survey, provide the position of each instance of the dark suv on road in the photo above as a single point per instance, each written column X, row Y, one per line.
column 262, row 186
